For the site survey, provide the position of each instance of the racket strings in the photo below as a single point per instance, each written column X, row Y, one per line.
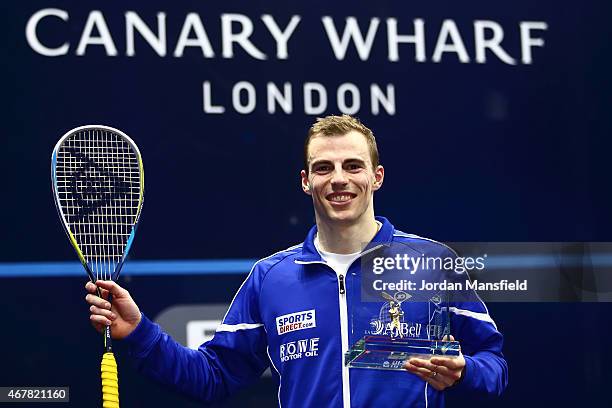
column 98, row 188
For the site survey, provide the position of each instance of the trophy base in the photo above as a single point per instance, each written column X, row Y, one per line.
column 386, row 353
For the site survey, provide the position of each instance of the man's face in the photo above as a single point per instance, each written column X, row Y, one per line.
column 341, row 179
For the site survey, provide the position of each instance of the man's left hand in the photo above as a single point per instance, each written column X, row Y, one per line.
column 439, row 372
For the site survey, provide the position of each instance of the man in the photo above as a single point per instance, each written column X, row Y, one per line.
column 395, row 313
column 291, row 311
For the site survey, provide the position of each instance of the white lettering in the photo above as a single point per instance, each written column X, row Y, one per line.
column 378, row 98
column 193, row 22
column 249, row 106
column 394, row 39
column 492, row 43
column 377, row 265
column 207, row 100
column 278, row 98
column 295, row 350
column 449, row 29
column 314, row 344
column 96, row 20
column 241, row 37
column 355, row 96
column 283, row 99
column 32, row 38
column 291, row 349
column 527, row 42
column 282, row 351
column 281, row 37
column 351, row 32
column 309, row 108
column 133, row 21
column 302, row 345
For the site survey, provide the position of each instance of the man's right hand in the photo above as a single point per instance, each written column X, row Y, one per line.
column 123, row 315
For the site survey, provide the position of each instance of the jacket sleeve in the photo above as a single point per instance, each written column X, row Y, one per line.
column 486, row 370
column 234, row 358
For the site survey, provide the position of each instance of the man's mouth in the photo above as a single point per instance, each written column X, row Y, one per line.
column 340, row 197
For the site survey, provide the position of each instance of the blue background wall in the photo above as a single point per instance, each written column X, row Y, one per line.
column 474, row 152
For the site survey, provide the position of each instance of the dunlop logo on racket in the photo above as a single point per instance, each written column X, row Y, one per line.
column 93, row 186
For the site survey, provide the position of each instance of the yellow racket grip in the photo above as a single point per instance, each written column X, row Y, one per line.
column 110, row 384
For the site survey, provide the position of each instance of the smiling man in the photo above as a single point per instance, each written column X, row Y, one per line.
column 291, row 311
column 341, row 172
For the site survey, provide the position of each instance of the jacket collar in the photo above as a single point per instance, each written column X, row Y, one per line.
column 384, row 236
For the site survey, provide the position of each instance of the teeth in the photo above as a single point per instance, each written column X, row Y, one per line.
column 340, row 198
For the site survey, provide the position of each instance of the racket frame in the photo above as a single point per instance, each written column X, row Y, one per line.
column 110, row 384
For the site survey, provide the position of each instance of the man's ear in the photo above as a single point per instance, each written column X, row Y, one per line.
column 305, row 183
column 379, row 177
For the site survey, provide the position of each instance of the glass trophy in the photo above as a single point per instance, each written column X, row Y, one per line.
column 399, row 311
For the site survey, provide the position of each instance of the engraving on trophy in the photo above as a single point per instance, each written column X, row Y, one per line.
column 395, row 312
column 391, row 316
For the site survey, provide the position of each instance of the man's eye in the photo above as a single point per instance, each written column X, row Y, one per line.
column 322, row 168
column 354, row 167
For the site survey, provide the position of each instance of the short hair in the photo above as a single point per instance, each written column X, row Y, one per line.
column 335, row 125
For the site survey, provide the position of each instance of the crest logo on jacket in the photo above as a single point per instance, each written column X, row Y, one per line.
column 296, row 321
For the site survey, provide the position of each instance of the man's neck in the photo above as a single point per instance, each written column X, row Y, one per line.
column 346, row 239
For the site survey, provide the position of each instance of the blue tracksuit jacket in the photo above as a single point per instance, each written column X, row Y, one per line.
column 287, row 315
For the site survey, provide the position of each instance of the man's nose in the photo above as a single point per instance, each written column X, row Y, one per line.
column 339, row 177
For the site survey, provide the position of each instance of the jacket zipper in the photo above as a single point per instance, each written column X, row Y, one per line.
column 346, row 390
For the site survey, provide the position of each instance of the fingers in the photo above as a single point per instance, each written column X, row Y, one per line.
column 449, row 363
column 439, row 376
column 106, row 287
column 92, row 288
column 95, row 300
column 101, row 316
column 434, row 378
column 426, row 367
column 99, row 307
column 112, row 287
column 434, row 381
column 102, row 312
column 99, row 320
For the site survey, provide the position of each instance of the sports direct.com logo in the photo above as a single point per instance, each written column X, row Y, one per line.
column 296, row 321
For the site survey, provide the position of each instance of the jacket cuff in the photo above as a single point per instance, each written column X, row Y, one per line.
column 467, row 380
column 143, row 338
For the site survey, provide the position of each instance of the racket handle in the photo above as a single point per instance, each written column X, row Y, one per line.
column 110, row 384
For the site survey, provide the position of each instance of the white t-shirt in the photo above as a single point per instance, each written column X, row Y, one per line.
column 338, row 262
